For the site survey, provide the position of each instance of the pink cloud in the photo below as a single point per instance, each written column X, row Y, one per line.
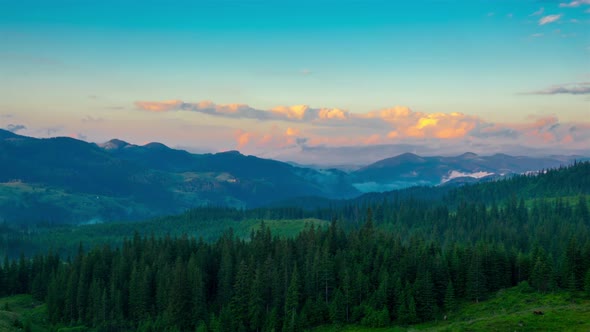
column 159, row 106
column 296, row 126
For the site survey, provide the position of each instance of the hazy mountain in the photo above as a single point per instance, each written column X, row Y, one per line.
column 409, row 169
column 64, row 179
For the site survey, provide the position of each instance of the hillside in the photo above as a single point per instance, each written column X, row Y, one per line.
column 62, row 179
column 395, row 263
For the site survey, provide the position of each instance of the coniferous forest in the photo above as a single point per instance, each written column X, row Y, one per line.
column 383, row 260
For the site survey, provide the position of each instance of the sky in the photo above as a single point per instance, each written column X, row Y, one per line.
column 305, row 81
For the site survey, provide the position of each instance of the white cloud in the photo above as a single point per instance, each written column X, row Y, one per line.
column 538, row 12
column 575, row 3
column 549, row 19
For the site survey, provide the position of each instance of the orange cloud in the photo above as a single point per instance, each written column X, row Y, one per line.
column 291, row 112
column 292, row 132
column 242, row 138
column 399, row 124
column 159, row 106
column 332, row 113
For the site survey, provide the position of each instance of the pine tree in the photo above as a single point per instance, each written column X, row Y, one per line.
column 179, row 305
column 542, row 275
column 587, row 283
column 241, row 297
column 292, row 302
column 450, row 297
column 412, row 315
column 256, row 308
column 424, row 296
column 476, row 279
column 338, row 308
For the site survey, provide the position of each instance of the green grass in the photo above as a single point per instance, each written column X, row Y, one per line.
column 16, row 312
column 508, row 310
column 568, row 200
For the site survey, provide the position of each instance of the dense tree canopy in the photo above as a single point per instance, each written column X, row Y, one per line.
column 392, row 261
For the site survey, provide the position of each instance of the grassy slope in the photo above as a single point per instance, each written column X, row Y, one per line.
column 569, row 200
column 22, row 309
column 508, row 310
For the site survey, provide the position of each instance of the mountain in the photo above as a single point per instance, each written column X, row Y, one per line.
column 64, row 179
column 408, row 169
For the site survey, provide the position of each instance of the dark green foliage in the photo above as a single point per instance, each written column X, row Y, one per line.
column 450, row 302
column 401, row 262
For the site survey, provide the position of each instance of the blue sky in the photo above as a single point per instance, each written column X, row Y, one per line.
column 79, row 68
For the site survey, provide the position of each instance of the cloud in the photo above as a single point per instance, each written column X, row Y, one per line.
column 275, row 138
column 575, row 3
column 159, row 106
column 581, row 88
column 242, row 138
column 295, row 113
column 289, row 130
column 549, row 19
column 537, row 35
column 14, row 128
column 538, row 12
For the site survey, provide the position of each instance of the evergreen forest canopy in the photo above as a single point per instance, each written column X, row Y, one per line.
column 389, row 259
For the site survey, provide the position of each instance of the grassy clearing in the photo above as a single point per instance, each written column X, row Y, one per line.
column 569, row 200
column 22, row 313
column 508, row 310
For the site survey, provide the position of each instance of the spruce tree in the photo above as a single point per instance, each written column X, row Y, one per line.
column 292, row 302
column 450, row 302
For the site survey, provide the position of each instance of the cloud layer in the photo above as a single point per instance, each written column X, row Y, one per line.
column 300, row 127
column 581, row 88
column 14, row 128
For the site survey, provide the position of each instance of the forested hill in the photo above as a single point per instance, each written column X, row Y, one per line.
column 64, row 180
column 560, row 182
column 566, row 181
column 406, row 264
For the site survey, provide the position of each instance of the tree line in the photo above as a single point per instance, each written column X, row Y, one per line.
column 371, row 275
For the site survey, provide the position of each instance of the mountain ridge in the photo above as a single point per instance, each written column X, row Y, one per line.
column 69, row 179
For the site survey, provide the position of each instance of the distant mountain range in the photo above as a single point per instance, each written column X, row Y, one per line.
column 409, row 169
column 67, row 180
